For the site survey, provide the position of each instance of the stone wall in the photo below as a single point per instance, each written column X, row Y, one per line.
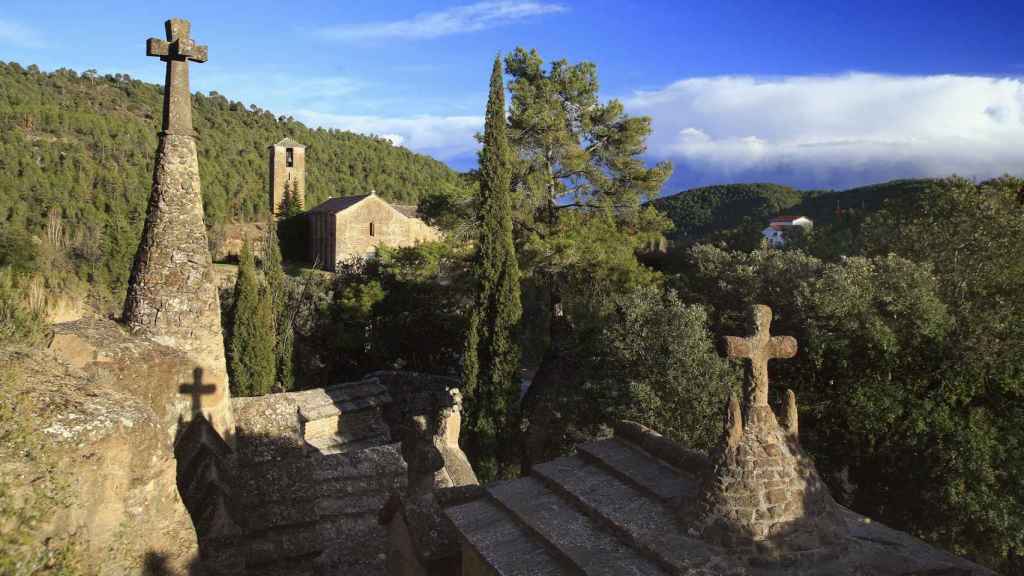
column 321, row 236
column 226, row 239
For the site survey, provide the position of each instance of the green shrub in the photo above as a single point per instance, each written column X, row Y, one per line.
column 21, row 308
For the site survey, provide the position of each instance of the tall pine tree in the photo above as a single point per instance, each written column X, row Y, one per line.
column 252, row 336
column 277, row 293
column 491, row 363
column 580, row 181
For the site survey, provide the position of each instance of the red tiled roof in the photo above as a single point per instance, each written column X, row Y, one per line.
column 785, row 218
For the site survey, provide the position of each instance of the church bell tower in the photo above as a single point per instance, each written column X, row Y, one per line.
column 287, row 172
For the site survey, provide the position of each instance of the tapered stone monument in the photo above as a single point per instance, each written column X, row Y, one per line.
column 764, row 494
column 172, row 296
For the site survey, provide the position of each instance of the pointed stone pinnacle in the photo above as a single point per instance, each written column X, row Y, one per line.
column 792, row 417
column 172, row 296
column 733, row 423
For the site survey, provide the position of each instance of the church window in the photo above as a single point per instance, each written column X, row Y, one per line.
column 371, row 228
column 289, row 157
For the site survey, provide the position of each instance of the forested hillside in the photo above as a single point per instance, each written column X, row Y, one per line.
column 85, row 144
column 736, row 213
column 701, row 212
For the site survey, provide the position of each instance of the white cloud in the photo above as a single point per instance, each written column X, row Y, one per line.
column 444, row 137
column 395, row 139
column 851, row 128
column 17, row 34
column 276, row 88
column 456, row 20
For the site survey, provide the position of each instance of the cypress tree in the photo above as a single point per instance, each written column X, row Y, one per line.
column 252, row 344
column 491, row 363
column 291, row 203
column 278, row 302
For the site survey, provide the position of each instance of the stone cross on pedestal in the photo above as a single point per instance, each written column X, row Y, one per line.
column 758, row 349
column 176, row 51
column 172, row 293
column 763, row 498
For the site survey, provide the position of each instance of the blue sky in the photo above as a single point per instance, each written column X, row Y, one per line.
column 811, row 94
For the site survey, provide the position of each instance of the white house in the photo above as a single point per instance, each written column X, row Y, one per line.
column 775, row 232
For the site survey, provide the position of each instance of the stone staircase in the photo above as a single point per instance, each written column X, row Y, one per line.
column 297, row 509
column 345, row 417
column 314, row 468
column 602, row 511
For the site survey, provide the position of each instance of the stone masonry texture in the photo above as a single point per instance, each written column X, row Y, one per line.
column 172, row 295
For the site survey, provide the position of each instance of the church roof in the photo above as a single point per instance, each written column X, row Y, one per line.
column 613, row 508
column 406, row 210
column 335, row 205
column 287, row 143
column 341, row 203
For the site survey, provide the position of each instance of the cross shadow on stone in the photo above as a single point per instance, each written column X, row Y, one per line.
column 196, row 389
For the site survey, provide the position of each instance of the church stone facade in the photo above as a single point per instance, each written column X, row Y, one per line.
column 287, row 170
column 351, row 227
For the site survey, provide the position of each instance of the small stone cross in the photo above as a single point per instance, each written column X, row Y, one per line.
column 197, row 389
column 759, row 348
column 177, row 50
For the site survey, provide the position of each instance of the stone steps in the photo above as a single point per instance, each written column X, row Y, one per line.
column 297, row 508
column 283, row 544
column 351, row 520
column 288, row 568
column 512, row 547
column 581, row 540
column 639, row 517
column 630, row 464
column 337, row 444
column 350, row 410
column 359, row 463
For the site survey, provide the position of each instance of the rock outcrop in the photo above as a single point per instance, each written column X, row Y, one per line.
column 93, row 425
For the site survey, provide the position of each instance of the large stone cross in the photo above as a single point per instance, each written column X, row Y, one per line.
column 177, row 50
column 759, row 348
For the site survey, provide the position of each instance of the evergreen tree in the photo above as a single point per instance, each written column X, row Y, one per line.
column 580, row 183
column 252, row 344
column 492, row 353
column 291, row 203
column 277, row 292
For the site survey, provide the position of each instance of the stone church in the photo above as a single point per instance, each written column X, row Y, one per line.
column 346, row 227
column 351, row 227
